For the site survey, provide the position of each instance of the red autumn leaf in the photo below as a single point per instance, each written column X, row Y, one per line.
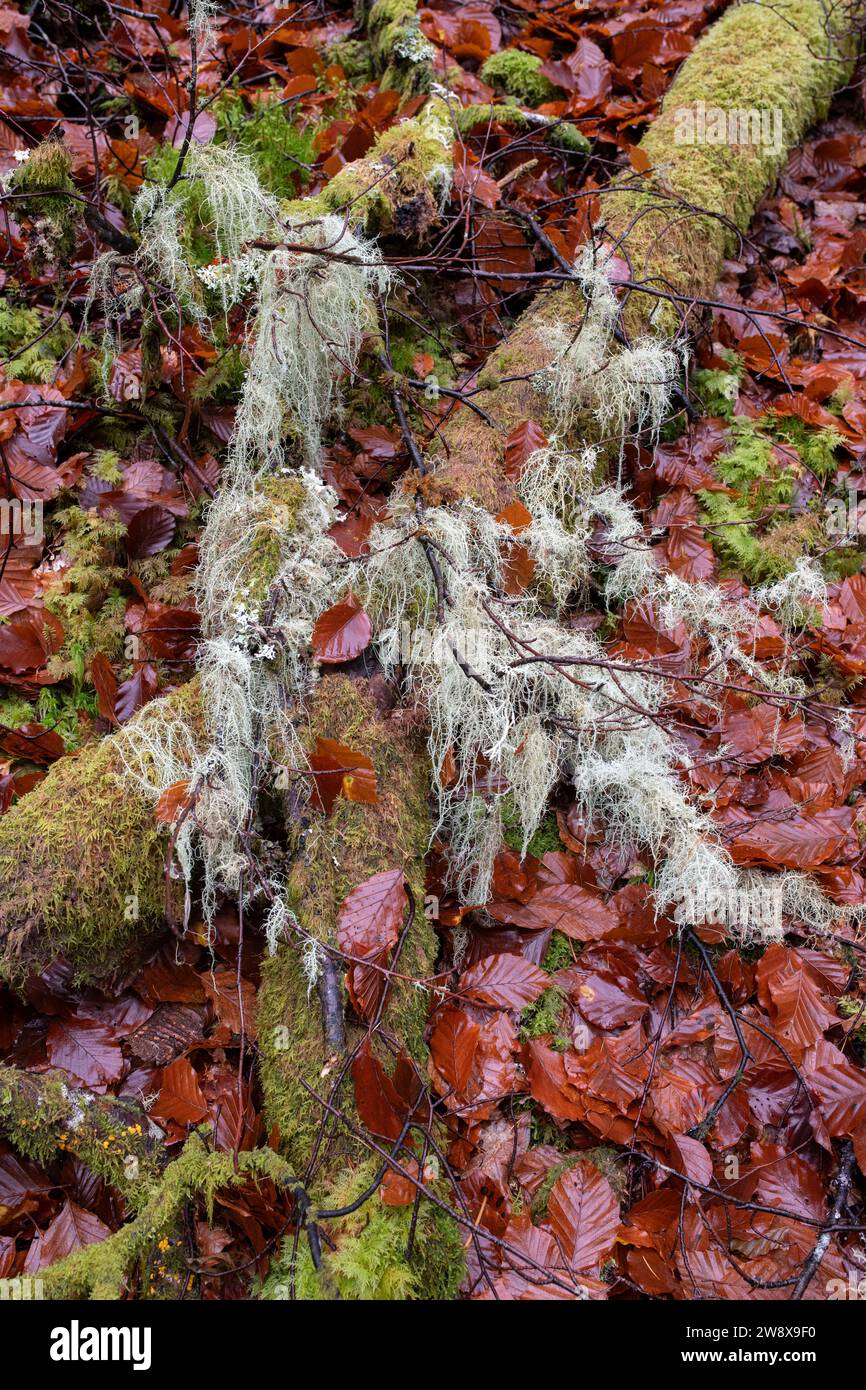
column 453, row 1045
column 801, row 841
column 470, row 181
column 135, row 692
column 793, row 996
column 837, row 1087
column 584, row 1216
column 341, row 771
column 516, row 516
column 342, row 632
column 85, row 1050
column 180, row 1098
column 523, row 441
column 691, row 1158
column 568, row 907
column 606, row 1000
column 383, row 1101
column 32, row 742
column 173, row 800
column 72, row 1229
column 504, row 982
column 105, row 685
column 368, row 926
column 150, row 531
column 22, row 645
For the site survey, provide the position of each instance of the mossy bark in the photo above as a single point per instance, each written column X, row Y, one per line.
column 43, row 1115
column 107, row 1270
column 82, row 862
column 354, row 843
column 676, row 223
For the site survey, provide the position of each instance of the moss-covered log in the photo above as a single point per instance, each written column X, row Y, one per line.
column 675, row 224
column 107, row 1270
column 44, row 1115
column 82, row 863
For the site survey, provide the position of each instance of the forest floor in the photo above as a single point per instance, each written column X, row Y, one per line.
column 578, row 1043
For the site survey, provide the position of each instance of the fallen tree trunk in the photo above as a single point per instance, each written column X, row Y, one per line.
column 673, row 225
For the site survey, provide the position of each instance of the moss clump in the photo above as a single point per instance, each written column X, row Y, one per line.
column 519, row 75
column 354, row 57
column 14, row 711
column 399, row 186
column 106, row 1271
column 544, row 1018
column 400, row 52
column 545, row 838
column 368, row 1261
column 560, row 954
column 43, row 1116
column 760, row 475
column 280, row 150
column 86, row 597
column 21, row 356
column 46, row 174
column 82, row 861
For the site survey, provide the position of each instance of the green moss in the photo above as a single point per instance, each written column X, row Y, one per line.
column 404, row 201
column 368, row 1261
column 400, row 52
column 86, row 597
column 545, row 838
column 760, row 478
column 59, row 710
column 355, row 842
column 14, row 710
column 354, row 57
column 107, row 1270
column 519, row 75
column 544, row 1018
column 281, row 151
column 560, row 954
column 19, row 326
column 43, row 1116
column 82, row 863
column 46, row 174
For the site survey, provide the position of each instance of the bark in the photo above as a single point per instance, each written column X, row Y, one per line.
column 674, row 225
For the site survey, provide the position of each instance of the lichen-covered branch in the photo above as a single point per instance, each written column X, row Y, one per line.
column 44, row 1115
